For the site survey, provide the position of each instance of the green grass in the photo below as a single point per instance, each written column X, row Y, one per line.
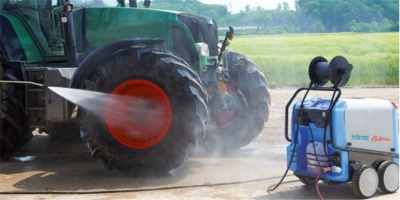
column 284, row 59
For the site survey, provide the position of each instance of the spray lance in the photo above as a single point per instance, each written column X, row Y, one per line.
column 25, row 82
column 54, row 89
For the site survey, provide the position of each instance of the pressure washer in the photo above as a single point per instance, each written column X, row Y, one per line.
column 339, row 140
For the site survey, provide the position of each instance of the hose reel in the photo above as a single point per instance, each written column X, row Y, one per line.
column 337, row 71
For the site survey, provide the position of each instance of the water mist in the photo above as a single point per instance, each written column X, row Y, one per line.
column 119, row 111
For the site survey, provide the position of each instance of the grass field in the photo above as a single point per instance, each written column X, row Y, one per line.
column 284, row 59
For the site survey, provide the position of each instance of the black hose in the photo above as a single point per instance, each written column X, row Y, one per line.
column 273, row 187
column 329, row 110
column 137, row 190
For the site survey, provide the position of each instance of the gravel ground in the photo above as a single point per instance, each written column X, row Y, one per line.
column 66, row 171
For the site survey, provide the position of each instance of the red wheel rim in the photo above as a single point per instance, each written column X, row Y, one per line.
column 227, row 118
column 140, row 116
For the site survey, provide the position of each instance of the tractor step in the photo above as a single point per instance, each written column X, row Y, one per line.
column 37, row 108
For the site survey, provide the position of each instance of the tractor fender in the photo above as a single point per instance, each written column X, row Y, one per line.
column 90, row 63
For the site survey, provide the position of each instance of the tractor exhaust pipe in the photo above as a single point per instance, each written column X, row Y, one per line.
column 147, row 3
column 133, row 3
column 68, row 21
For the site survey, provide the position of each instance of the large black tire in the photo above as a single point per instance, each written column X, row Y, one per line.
column 14, row 131
column 236, row 128
column 189, row 114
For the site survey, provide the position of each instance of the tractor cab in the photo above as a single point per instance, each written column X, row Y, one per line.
column 97, row 3
column 23, row 19
column 35, row 30
column 45, row 31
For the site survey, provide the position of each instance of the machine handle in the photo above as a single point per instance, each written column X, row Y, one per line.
column 332, row 89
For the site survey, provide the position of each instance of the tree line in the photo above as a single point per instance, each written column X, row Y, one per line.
column 309, row 16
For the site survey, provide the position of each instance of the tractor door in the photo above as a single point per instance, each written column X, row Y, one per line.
column 36, row 26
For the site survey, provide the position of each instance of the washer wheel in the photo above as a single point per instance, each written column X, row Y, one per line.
column 365, row 182
column 307, row 180
column 377, row 163
column 388, row 174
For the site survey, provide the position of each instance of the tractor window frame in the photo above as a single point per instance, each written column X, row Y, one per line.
column 42, row 19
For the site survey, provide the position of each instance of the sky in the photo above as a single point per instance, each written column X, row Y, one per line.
column 236, row 6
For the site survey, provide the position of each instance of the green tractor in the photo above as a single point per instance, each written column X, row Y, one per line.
column 208, row 97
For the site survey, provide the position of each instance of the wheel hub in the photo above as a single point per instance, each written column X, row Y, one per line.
column 142, row 118
column 230, row 116
column 390, row 177
column 368, row 182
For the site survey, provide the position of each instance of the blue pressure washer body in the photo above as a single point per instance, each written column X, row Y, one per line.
column 340, row 140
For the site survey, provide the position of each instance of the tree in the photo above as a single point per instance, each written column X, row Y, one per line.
column 309, row 16
column 247, row 8
column 337, row 14
column 285, row 6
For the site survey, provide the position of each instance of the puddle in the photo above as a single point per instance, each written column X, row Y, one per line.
column 24, row 158
column 257, row 150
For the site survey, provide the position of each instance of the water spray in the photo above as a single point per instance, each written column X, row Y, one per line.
column 109, row 107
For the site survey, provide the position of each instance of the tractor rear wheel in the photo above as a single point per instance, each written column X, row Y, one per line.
column 162, row 119
column 14, row 131
column 236, row 127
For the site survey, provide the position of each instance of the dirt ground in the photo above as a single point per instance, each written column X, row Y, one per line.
column 57, row 170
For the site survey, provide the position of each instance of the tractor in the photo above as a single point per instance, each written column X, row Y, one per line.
column 209, row 96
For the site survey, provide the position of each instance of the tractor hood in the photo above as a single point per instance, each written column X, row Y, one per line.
column 96, row 26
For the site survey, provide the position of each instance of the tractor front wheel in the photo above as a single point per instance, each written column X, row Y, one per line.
column 155, row 117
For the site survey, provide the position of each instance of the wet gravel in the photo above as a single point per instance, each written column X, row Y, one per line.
column 57, row 170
